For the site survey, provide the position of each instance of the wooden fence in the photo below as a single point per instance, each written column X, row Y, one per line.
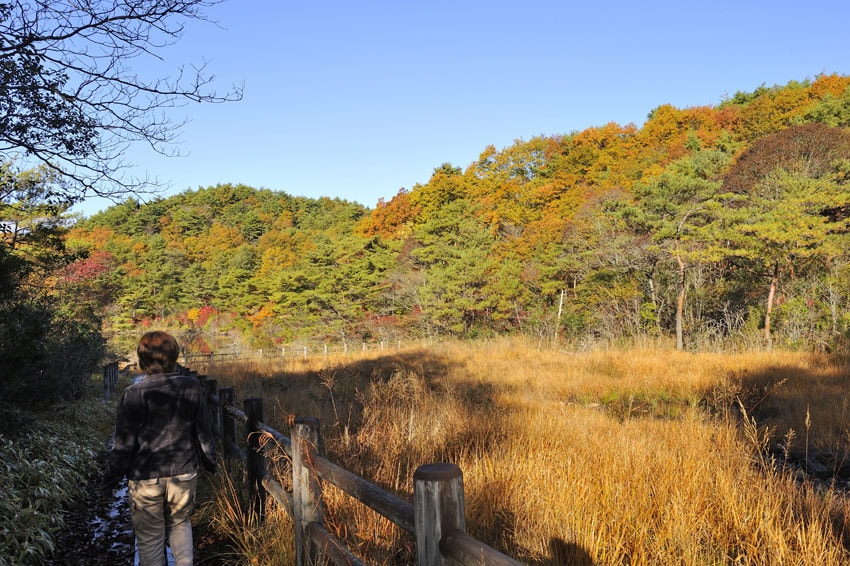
column 436, row 518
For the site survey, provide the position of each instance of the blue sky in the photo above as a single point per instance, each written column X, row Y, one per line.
column 359, row 99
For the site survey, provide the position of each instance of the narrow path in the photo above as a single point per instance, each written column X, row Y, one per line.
column 97, row 531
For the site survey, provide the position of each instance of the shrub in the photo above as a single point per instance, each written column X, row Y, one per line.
column 41, row 473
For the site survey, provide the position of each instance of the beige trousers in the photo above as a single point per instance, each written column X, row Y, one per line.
column 161, row 506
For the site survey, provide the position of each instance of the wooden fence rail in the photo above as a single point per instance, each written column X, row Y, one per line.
column 436, row 518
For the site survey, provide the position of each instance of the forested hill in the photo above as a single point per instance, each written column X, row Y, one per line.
column 710, row 225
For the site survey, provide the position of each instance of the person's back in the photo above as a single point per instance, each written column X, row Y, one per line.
column 162, row 436
column 167, row 406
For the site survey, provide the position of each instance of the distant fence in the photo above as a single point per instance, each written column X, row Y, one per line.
column 436, row 518
column 291, row 352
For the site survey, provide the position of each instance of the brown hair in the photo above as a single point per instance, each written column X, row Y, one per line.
column 157, row 352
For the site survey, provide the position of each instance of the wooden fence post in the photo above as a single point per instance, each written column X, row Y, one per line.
column 110, row 379
column 211, row 388
column 256, row 464
column 438, row 508
column 226, row 397
column 307, row 503
column 107, row 385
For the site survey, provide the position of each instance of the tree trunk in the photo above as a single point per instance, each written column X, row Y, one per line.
column 560, row 311
column 774, row 279
column 654, row 297
column 680, row 305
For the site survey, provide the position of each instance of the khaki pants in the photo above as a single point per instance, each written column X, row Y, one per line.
column 161, row 505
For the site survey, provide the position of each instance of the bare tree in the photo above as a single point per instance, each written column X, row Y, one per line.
column 71, row 99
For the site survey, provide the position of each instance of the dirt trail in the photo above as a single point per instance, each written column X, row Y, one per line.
column 97, row 531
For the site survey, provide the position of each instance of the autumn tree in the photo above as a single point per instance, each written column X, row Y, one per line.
column 393, row 219
column 453, row 252
column 789, row 198
column 673, row 209
column 831, row 104
column 331, row 289
column 447, row 184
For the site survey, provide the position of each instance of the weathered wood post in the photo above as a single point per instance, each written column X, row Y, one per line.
column 210, row 389
column 227, row 397
column 307, row 504
column 110, row 379
column 107, row 383
column 438, row 508
column 256, row 462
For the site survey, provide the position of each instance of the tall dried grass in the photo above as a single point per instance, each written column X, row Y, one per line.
column 614, row 457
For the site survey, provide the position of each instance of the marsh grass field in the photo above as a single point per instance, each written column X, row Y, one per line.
column 634, row 456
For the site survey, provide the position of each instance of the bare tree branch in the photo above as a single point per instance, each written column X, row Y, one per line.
column 71, row 99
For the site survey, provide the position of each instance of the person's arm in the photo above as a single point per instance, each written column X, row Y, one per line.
column 123, row 444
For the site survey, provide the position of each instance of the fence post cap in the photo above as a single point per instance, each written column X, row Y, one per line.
column 439, row 471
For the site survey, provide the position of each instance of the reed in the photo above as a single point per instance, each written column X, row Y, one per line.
column 609, row 457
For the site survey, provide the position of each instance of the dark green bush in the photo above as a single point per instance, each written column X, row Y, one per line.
column 43, row 471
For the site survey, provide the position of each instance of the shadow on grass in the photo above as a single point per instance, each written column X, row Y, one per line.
column 339, row 393
column 806, row 413
column 568, row 553
column 560, row 552
column 807, row 410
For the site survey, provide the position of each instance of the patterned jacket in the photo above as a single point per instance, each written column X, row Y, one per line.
column 162, row 429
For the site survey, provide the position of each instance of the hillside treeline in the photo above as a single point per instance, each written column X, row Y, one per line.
column 714, row 226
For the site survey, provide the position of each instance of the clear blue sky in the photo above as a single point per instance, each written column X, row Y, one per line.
column 358, row 99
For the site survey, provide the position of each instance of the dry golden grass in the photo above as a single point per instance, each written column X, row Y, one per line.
column 614, row 457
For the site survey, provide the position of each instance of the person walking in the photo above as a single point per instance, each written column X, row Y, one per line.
column 162, row 437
